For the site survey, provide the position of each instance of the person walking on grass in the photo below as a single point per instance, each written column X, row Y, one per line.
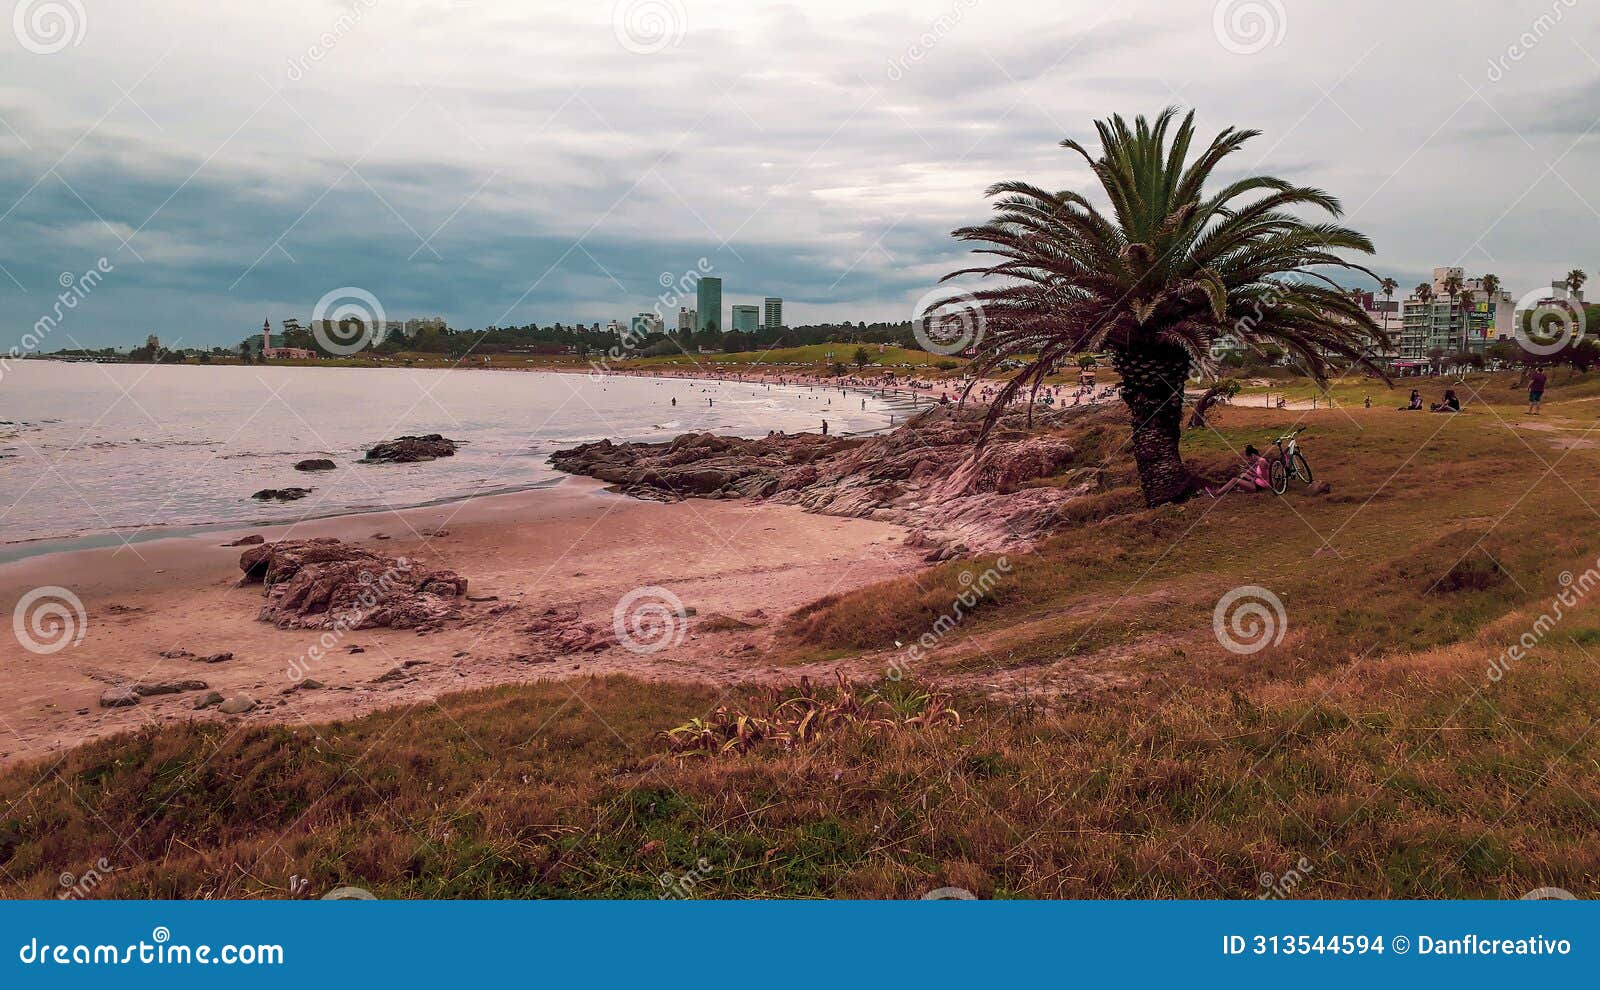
column 1535, row 391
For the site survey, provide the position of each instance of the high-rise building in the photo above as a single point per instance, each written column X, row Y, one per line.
column 774, row 313
column 685, row 319
column 1474, row 318
column 708, row 304
column 746, row 318
column 644, row 325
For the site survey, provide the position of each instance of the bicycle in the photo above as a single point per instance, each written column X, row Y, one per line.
column 1291, row 463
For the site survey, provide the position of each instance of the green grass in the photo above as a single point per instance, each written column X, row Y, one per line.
column 1503, row 390
column 1372, row 741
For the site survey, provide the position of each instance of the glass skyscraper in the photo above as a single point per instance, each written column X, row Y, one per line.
column 745, row 318
column 708, row 304
column 774, row 313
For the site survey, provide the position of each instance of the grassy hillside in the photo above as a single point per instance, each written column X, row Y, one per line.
column 1109, row 745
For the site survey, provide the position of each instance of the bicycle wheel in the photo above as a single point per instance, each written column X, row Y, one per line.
column 1301, row 468
column 1278, row 474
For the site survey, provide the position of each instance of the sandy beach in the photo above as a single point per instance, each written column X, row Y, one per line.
column 573, row 548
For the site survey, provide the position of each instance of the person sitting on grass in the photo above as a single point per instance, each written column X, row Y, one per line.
column 1254, row 478
column 1415, row 403
column 1451, row 404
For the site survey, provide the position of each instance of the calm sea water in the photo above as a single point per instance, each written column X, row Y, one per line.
column 136, row 449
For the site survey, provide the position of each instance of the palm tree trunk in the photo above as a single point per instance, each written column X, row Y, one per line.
column 1153, row 378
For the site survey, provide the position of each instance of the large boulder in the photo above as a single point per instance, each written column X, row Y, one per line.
column 325, row 583
column 315, row 464
column 281, row 494
column 410, row 450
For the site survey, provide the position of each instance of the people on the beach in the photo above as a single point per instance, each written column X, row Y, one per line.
column 824, row 427
column 1254, row 478
column 1450, row 404
column 1535, row 391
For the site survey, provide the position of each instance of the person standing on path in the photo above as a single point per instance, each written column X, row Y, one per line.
column 1535, row 391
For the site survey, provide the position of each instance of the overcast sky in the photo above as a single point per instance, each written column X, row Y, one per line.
column 501, row 162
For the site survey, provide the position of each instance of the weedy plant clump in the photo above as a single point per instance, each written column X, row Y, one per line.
column 790, row 717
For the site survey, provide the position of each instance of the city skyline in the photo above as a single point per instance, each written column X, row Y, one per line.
column 244, row 165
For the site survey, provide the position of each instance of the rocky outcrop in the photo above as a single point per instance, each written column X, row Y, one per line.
column 562, row 631
column 925, row 475
column 315, row 464
column 410, row 450
column 121, row 696
column 281, row 494
column 191, row 655
column 326, row 583
column 146, row 689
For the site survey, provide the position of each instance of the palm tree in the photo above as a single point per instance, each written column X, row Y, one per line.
column 1387, row 286
column 1160, row 279
column 1575, row 280
column 1452, row 287
column 1423, row 293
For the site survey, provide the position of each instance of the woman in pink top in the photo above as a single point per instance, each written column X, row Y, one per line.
column 1254, row 478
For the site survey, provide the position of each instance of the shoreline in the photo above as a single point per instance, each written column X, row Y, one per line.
column 571, row 549
column 40, row 546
